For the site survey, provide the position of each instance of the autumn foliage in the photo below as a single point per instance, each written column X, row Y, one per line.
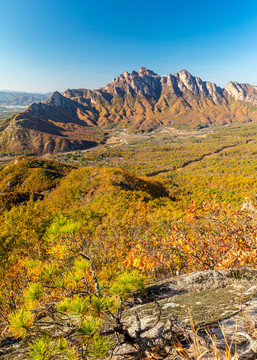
column 101, row 234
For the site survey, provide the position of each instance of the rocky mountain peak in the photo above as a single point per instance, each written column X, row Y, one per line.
column 185, row 73
column 56, row 99
column 235, row 90
column 242, row 92
column 187, row 80
column 145, row 82
column 145, row 71
column 59, row 100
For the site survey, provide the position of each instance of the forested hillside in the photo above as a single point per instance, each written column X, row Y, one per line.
column 84, row 232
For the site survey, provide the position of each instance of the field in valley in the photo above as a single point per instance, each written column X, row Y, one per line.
column 218, row 162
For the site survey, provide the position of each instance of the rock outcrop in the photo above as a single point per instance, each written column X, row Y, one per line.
column 222, row 305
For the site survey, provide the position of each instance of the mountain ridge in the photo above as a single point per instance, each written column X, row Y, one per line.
column 137, row 101
column 21, row 97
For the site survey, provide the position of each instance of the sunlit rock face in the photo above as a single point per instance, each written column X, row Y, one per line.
column 242, row 92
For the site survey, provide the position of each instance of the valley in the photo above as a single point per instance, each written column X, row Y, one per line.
column 8, row 110
column 202, row 164
column 12, row 102
column 101, row 219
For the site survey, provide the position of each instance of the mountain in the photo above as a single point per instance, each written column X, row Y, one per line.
column 54, row 126
column 144, row 100
column 21, row 98
column 139, row 101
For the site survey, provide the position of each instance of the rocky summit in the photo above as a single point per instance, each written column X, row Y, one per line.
column 136, row 101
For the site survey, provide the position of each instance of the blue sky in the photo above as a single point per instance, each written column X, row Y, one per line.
column 48, row 45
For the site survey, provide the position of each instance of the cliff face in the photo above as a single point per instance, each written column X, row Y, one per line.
column 242, row 92
column 139, row 101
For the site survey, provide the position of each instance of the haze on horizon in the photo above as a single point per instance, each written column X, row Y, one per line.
column 49, row 45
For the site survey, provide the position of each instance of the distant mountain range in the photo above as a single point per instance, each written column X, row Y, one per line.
column 139, row 101
column 21, row 98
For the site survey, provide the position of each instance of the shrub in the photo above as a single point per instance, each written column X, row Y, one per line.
column 41, row 349
column 20, row 322
column 128, row 282
column 89, row 327
column 34, row 292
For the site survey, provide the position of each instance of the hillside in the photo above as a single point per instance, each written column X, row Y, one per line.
column 24, row 178
column 54, row 126
column 138, row 102
column 83, row 245
column 78, row 251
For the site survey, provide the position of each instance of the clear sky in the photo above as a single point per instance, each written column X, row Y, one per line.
column 48, row 45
